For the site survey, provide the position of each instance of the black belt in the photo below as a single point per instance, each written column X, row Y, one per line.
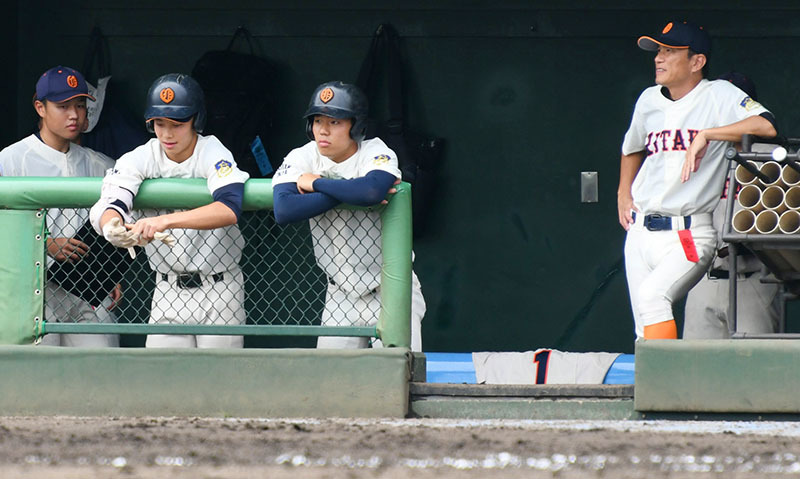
column 725, row 274
column 662, row 223
column 193, row 280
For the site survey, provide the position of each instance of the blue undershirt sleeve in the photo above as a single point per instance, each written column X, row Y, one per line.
column 368, row 190
column 231, row 196
column 290, row 206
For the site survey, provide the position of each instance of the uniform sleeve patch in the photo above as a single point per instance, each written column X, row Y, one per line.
column 749, row 104
column 224, row 168
column 381, row 159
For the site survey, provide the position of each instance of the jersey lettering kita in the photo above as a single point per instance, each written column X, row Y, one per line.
column 669, row 140
column 663, row 129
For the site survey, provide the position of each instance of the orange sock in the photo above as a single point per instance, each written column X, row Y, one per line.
column 662, row 330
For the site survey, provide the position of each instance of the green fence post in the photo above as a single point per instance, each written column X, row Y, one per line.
column 21, row 275
column 394, row 323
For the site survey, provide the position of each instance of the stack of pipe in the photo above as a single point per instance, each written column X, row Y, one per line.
column 769, row 203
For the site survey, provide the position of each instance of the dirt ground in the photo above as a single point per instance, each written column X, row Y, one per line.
column 199, row 448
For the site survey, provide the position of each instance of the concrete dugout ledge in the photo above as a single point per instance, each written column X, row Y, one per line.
column 198, row 382
column 718, row 376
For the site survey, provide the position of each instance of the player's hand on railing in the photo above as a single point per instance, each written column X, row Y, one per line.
column 305, row 184
column 66, row 249
column 391, row 191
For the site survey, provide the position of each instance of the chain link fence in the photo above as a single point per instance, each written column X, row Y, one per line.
column 279, row 266
column 344, row 273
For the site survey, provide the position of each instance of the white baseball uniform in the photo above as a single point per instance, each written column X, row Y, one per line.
column 347, row 244
column 214, row 255
column 543, row 366
column 658, row 270
column 32, row 157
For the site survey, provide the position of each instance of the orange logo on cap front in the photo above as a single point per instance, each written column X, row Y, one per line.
column 167, row 95
column 667, row 28
column 72, row 81
column 326, row 95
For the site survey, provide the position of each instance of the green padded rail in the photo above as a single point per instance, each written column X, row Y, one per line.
column 20, row 195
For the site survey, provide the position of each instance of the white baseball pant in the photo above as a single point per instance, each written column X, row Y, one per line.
column 657, row 270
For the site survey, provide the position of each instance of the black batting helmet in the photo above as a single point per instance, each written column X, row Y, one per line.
column 339, row 100
column 177, row 97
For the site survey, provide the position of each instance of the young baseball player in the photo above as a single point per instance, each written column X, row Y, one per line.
column 672, row 170
column 60, row 102
column 706, row 311
column 339, row 166
column 198, row 279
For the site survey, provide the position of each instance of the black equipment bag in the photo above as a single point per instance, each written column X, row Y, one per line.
column 238, row 102
column 117, row 131
column 96, row 274
column 418, row 154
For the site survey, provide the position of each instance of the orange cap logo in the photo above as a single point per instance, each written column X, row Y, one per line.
column 72, row 81
column 326, row 95
column 167, row 95
column 667, row 28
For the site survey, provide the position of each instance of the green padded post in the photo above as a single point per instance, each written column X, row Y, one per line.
column 394, row 323
column 21, row 275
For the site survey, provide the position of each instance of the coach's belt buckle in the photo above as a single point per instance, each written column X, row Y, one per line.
column 657, row 222
column 193, row 280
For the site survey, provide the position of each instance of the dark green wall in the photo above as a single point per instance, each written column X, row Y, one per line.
column 526, row 94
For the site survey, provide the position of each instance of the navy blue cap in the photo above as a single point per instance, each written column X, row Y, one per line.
column 61, row 84
column 679, row 35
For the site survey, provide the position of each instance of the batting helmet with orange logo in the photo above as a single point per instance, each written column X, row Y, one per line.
column 339, row 100
column 178, row 97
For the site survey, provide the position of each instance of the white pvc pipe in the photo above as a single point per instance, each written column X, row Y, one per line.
column 789, row 222
column 744, row 177
column 792, row 198
column 767, row 222
column 772, row 199
column 789, row 176
column 750, row 198
column 773, row 170
column 744, row 221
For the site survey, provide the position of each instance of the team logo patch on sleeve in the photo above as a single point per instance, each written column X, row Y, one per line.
column 224, row 168
column 749, row 104
column 381, row 159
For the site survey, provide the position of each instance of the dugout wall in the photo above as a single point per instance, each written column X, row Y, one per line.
column 526, row 95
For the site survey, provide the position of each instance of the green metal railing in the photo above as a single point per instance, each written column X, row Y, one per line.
column 22, row 271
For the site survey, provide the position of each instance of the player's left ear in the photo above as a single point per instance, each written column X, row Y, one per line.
column 698, row 62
